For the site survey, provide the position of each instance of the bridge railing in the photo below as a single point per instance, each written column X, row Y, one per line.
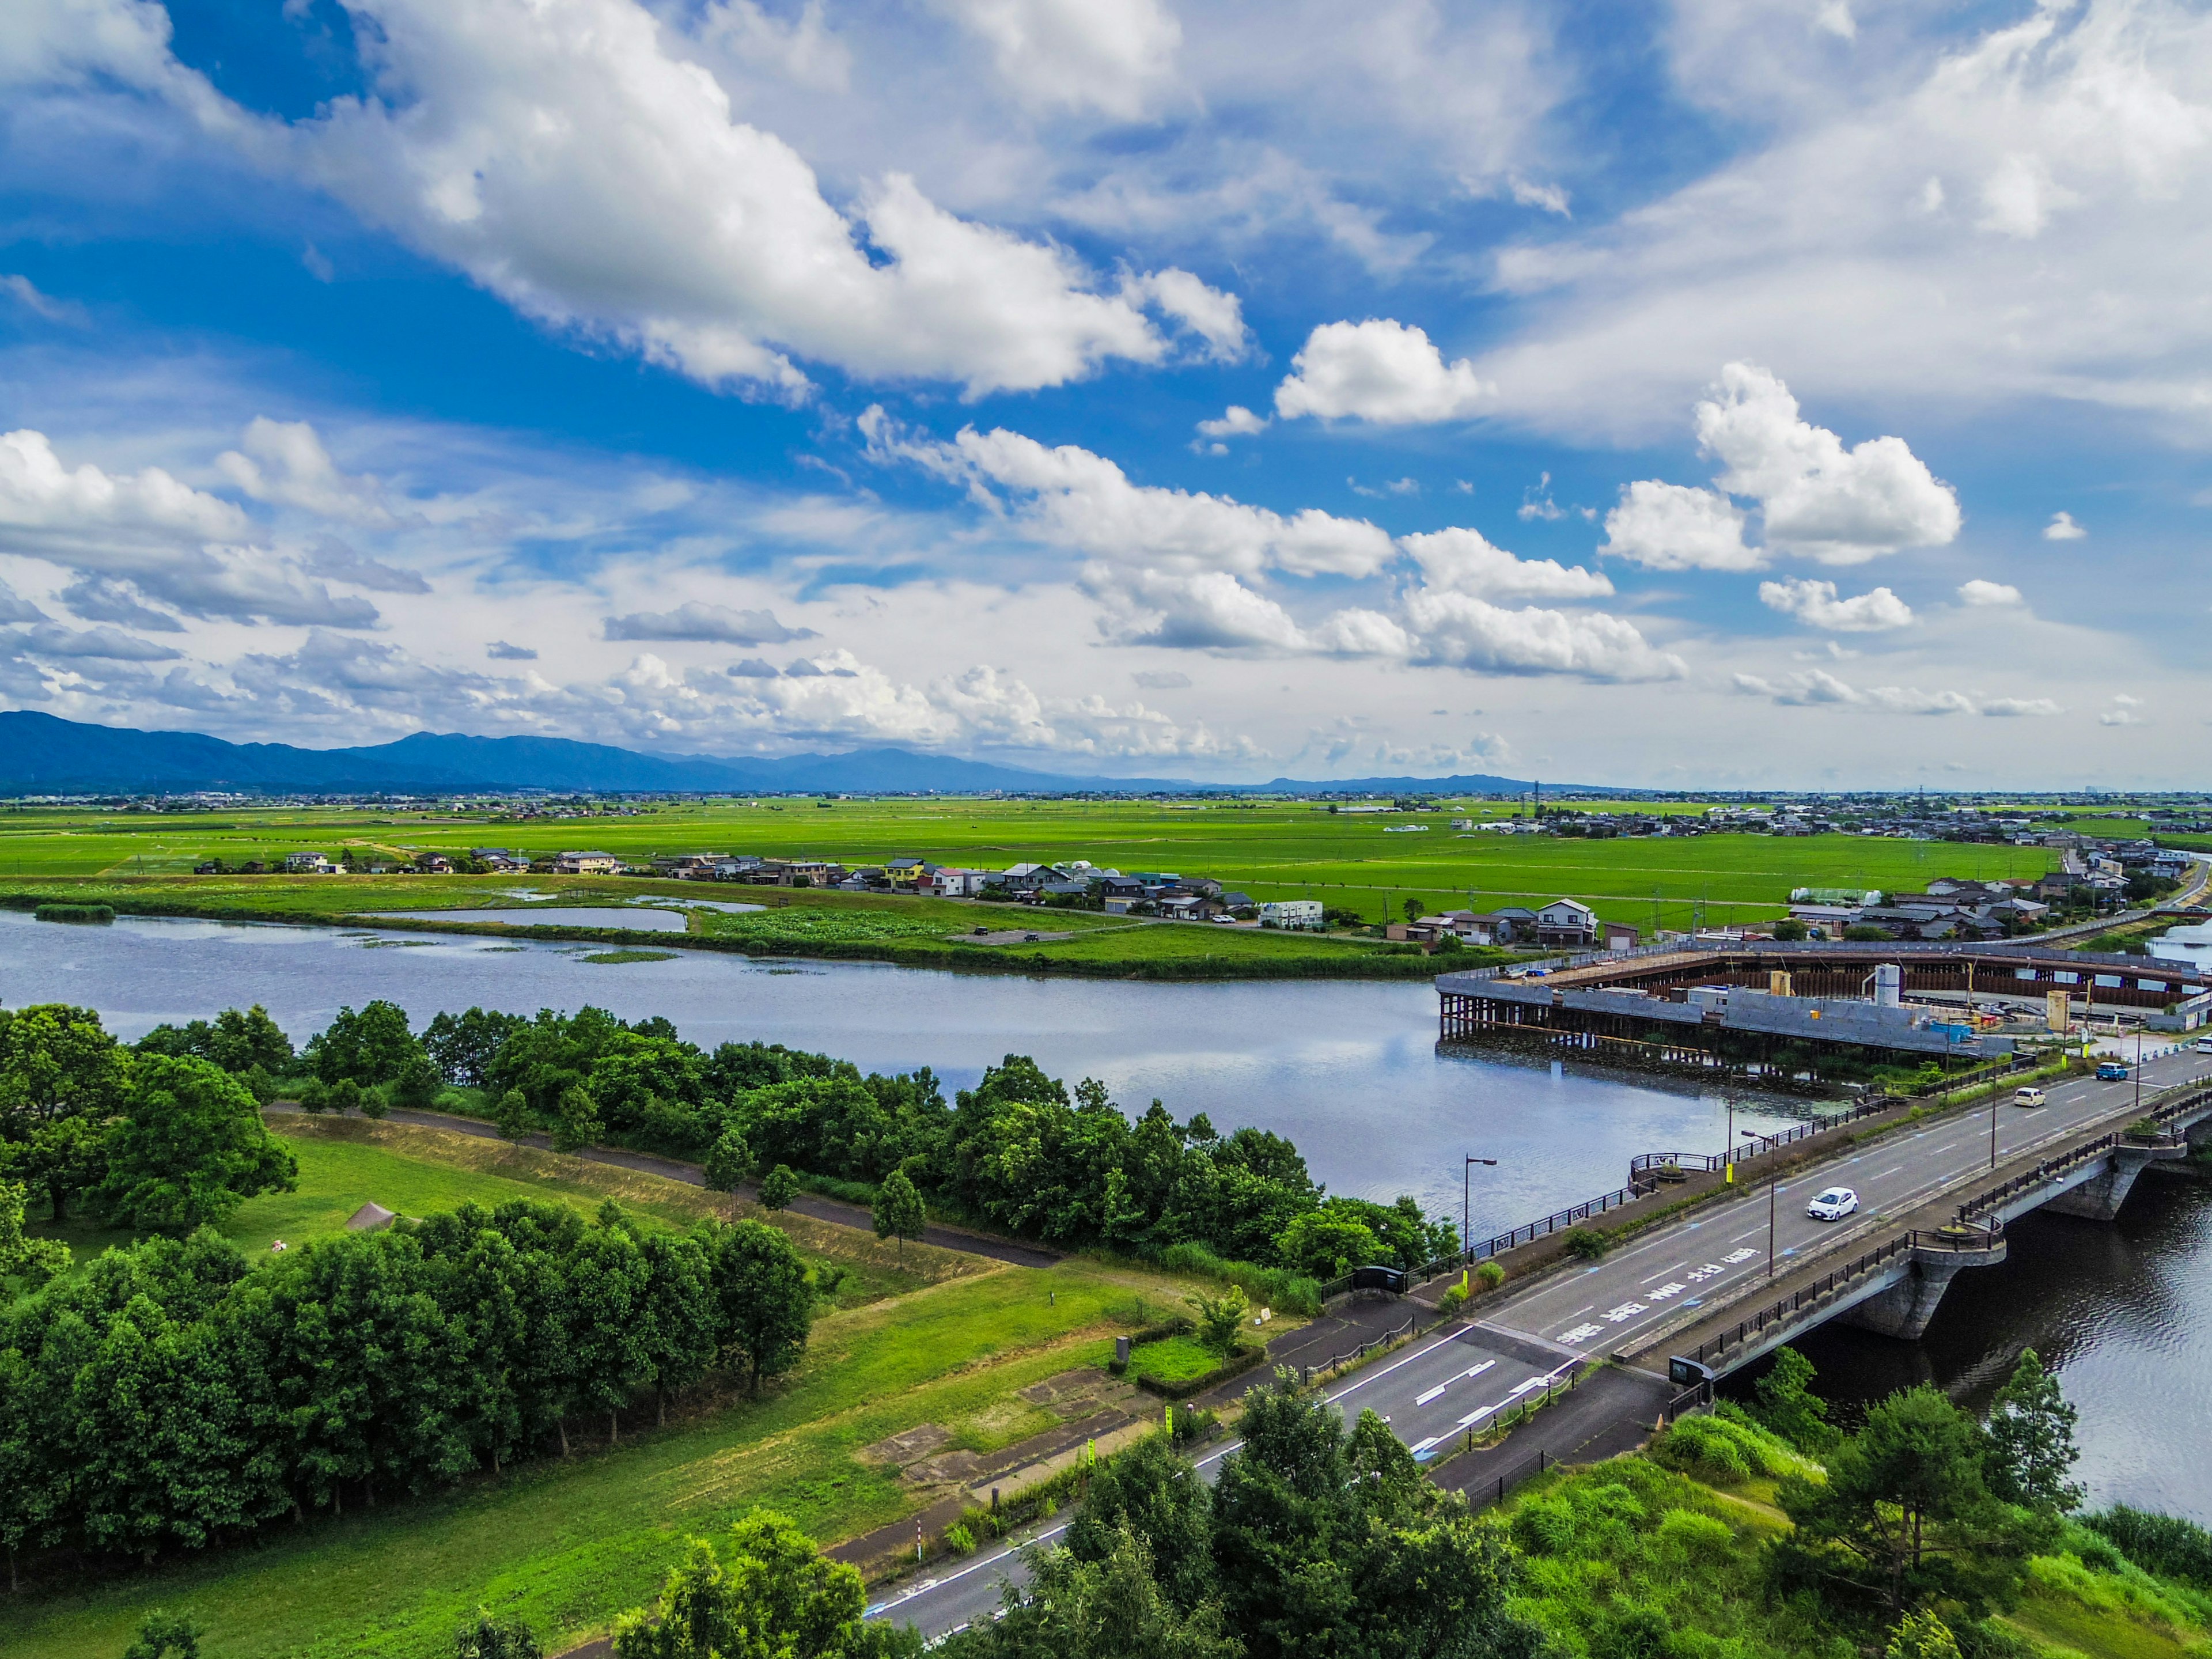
column 1482, row 1249
column 2168, row 1107
column 1711, row 1163
column 1812, row 1295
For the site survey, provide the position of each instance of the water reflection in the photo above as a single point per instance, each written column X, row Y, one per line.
column 1348, row 1070
column 2123, row 1311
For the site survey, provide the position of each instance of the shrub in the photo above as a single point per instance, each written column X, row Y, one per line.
column 1491, row 1275
column 1588, row 1243
column 2159, row 1543
column 1452, row 1300
column 1702, row 1538
column 1724, row 1448
column 1264, row 1287
column 959, row 1540
column 81, row 913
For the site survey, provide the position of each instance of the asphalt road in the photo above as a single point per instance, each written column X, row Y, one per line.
column 1618, row 1304
column 1460, row 1377
column 1430, row 1394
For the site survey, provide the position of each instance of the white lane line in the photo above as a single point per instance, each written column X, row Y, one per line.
column 1754, row 1233
column 1376, row 1376
column 1880, row 1174
column 1662, row 1273
column 1475, row 1370
column 1580, row 1312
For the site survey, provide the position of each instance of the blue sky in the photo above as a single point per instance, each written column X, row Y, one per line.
column 1795, row 394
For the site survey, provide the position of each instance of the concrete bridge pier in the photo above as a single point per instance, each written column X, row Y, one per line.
column 1903, row 1308
column 2099, row 1198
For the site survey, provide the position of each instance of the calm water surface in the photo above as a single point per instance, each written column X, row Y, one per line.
column 1348, row 1070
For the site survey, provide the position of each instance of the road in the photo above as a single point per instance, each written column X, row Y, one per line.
column 1430, row 1395
column 1460, row 1376
column 1616, row 1305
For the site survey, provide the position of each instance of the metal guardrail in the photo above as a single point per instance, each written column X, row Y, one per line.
column 1499, row 1243
column 1519, row 1408
column 1364, row 1349
column 2164, row 1107
column 1819, row 1290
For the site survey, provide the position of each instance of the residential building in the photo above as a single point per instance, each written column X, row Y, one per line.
column 587, row 863
column 308, row 864
column 1297, row 915
column 1567, row 922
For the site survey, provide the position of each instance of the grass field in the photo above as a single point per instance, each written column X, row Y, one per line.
column 571, row 1545
column 1366, row 864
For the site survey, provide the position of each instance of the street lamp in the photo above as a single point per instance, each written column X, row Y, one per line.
column 1465, row 1208
column 1773, row 1176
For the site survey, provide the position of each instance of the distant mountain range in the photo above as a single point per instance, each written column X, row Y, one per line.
column 42, row 755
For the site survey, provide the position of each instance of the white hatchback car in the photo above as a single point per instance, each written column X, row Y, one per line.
column 1833, row 1205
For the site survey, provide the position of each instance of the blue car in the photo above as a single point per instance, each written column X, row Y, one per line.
column 2111, row 1071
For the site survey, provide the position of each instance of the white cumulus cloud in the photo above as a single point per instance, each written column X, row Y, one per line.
column 1667, row 526
column 1109, row 55
column 1466, row 561
column 2062, row 528
column 1377, row 370
column 571, row 156
column 1813, row 687
column 1815, row 604
column 1987, row 594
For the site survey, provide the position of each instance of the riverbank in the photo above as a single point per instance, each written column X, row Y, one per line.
column 907, row 932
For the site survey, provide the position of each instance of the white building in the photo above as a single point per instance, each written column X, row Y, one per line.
column 587, row 864
column 308, row 864
column 1303, row 914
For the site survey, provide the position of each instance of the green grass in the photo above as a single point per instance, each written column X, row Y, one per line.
column 1173, row 1359
column 1270, row 850
column 569, row 1545
column 615, row 958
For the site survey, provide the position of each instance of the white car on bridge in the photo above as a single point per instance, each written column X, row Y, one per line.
column 1833, row 1205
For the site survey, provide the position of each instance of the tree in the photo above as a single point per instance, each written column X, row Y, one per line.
column 1920, row 1635
column 768, row 1593
column 369, row 1047
column 164, row 1634
column 898, row 1212
column 1788, row 1406
column 189, row 1148
column 240, row 1042
column 1905, row 1514
column 34, row 1260
column 512, row 1117
column 417, row 1084
column 729, row 1161
column 1153, row 1495
column 576, row 1121
column 1220, row 1319
column 1789, row 930
column 2032, row 1449
column 767, row 1307
column 1325, row 1244
column 778, row 1187
column 1108, row 1606
column 1414, row 909
column 486, row 1638
column 61, row 1079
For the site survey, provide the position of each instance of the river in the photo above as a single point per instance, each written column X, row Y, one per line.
column 1349, row 1069
column 2122, row 1310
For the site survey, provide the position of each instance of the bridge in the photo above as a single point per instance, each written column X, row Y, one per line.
column 1727, row 1282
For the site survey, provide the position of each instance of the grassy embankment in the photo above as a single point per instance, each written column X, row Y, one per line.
column 570, row 1545
column 1628, row 1548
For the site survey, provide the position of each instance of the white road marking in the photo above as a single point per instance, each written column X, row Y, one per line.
column 1663, row 1271
column 1477, row 1370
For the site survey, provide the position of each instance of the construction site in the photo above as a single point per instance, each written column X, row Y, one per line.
column 1810, row 1010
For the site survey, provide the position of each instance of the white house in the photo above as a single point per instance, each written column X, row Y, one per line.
column 587, row 863
column 308, row 864
column 1567, row 922
column 1296, row 914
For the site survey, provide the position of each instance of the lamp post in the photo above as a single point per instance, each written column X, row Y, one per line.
column 2138, row 1071
column 1467, row 1206
column 1773, row 1176
column 1727, row 1150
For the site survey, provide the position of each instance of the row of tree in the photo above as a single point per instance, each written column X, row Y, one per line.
column 171, row 1396
column 1020, row 1152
